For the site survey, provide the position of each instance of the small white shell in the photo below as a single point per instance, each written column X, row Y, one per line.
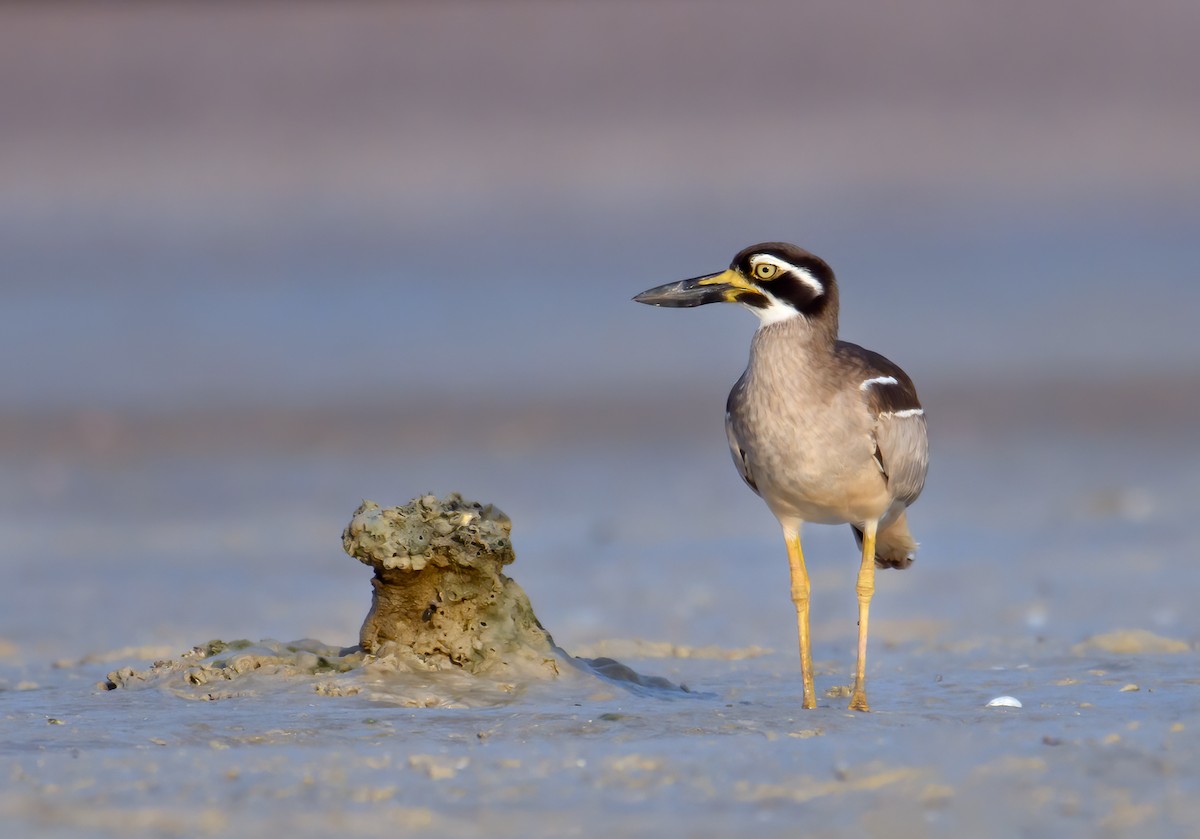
column 1005, row 702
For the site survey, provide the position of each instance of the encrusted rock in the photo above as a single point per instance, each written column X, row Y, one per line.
column 439, row 594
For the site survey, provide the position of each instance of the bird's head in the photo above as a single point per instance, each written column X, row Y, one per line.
column 774, row 280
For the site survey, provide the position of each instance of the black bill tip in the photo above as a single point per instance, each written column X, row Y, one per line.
column 685, row 293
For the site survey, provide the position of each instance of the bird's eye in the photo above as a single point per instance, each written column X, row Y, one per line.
column 765, row 270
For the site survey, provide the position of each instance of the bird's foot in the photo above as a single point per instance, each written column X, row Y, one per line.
column 858, row 701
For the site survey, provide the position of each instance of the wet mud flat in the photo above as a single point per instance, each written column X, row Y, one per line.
column 1103, row 743
column 1072, row 596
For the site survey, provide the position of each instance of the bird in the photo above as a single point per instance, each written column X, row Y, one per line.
column 823, row 430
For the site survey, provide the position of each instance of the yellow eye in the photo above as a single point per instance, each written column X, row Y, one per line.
column 765, row 270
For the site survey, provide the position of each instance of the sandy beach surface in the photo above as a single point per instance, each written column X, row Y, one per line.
column 259, row 265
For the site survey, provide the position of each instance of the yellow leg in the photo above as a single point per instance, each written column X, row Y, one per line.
column 866, row 588
column 800, row 589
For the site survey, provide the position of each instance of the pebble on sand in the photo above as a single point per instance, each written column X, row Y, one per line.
column 1005, row 702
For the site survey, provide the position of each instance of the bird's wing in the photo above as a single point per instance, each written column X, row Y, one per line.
column 735, row 445
column 901, row 441
column 902, row 448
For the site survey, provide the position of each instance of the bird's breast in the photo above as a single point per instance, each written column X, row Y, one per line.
column 809, row 449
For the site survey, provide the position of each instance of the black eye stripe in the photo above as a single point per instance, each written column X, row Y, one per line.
column 801, row 280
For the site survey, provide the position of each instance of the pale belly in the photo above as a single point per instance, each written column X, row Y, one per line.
column 865, row 498
column 817, row 467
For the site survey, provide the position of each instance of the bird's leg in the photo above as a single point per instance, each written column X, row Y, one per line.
column 866, row 587
column 800, row 588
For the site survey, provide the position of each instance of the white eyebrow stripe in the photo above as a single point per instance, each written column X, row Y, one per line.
column 878, row 380
column 800, row 274
column 907, row 412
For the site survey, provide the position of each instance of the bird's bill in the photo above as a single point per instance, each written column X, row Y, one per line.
column 723, row 287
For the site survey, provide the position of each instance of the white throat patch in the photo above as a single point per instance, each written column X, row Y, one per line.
column 774, row 313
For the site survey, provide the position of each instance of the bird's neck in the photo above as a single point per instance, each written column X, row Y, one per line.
column 797, row 335
column 786, row 359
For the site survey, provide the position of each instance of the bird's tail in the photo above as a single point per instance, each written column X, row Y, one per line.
column 894, row 545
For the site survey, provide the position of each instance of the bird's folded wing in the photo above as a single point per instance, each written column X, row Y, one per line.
column 901, row 441
column 902, row 448
column 735, row 445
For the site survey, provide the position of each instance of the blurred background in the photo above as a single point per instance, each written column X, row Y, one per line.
column 259, row 261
